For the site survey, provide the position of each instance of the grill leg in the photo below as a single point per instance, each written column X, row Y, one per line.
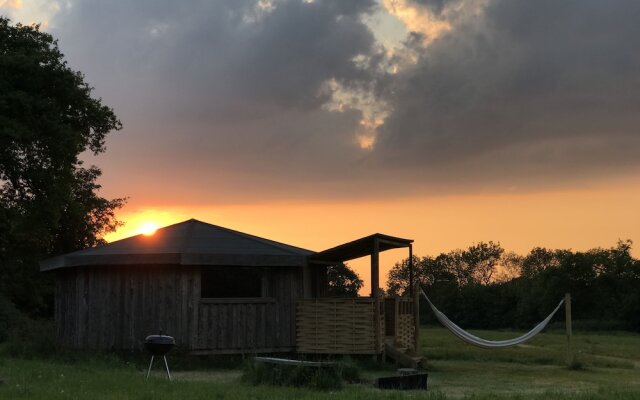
column 150, row 365
column 167, row 367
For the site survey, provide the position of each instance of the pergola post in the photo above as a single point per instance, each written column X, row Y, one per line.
column 410, row 270
column 416, row 318
column 375, row 288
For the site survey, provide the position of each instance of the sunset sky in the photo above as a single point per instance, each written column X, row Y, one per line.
column 316, row 122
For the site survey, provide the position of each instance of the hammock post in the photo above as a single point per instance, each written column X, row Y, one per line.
column 567, row 310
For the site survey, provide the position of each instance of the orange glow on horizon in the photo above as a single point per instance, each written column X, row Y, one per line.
column 144, row 222
column 573, row 219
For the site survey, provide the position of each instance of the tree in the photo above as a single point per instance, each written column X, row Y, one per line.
column 48, row 200
column 477, row 264
column 482, row 259
column 426, row 270
column 510, row 267
column 538, row 260
column 343, row 281
column 398, row 278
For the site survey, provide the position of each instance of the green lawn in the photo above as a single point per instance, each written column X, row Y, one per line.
column 610, row 366
column 609, row 362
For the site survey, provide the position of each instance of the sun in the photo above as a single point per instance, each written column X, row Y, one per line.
column 148, row 228
column 145, row 221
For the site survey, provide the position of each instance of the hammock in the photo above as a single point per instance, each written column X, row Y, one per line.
column 489, row 344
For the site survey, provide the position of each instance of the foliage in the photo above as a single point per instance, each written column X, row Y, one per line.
column 9, row 316
column 48, row 200
column 260, row 373
column 343, row 281
column 31, row 339
column 485, row 287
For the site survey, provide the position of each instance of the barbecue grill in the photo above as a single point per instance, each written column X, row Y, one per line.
column 159, row 345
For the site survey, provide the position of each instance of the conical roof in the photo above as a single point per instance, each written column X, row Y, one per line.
column 190, row 242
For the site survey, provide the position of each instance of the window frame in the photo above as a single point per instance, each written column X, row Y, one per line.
column 262, row 276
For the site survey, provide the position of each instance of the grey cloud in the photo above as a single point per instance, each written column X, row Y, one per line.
column 204, row 87
column 226, row 102
column 220, row 59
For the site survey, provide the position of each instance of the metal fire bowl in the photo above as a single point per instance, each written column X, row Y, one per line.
column 159, row 345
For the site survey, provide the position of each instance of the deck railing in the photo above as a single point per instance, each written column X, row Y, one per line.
column 404, row 335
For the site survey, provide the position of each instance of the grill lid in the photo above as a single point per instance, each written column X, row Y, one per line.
column 160, row 339
column 159, row 345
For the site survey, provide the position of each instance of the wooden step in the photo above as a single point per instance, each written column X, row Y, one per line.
column 401, row 357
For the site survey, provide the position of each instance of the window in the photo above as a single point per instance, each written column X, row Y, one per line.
column 231, row 282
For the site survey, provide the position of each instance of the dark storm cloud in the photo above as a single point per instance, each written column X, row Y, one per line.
column 228, row 59
column 526, row 92
column 231, row 85
column 226, row 100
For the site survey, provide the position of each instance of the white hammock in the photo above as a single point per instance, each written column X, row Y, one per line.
column 489, row 344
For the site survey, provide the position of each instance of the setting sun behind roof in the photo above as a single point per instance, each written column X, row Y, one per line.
column 148, row 228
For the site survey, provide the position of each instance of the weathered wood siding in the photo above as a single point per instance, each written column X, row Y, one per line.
column 117, row 307
column 252, row 325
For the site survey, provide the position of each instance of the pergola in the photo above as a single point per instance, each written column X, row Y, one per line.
column 371, row 245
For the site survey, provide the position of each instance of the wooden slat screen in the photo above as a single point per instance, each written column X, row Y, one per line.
column 336, row 326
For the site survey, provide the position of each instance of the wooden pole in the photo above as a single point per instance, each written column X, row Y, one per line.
column 375, row 279
column 416, row 312
column 410, row 270
column 567, row 308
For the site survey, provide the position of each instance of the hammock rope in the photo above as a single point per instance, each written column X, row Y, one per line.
column 489, row 344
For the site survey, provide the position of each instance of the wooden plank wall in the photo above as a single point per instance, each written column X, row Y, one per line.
column 117, row 307
column 337, row 326
column 237, row 327
column 252, row 325
column 64, row 307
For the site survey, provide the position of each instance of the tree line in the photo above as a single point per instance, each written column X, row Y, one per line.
column 485, row 287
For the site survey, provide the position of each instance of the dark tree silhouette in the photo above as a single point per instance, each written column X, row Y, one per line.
column 343, row 281
column 48, row 200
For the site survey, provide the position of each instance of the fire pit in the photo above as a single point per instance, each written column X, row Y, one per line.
column 159, row 345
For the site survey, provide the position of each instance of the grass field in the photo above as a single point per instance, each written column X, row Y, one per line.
column 609, row 368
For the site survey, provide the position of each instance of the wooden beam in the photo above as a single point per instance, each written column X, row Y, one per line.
column 375, row 289
column 567, row 309
column 287, row 361
column 375, row 269
column 306, row 281
column 397, row 245
column 416, row 313
column 410, row 270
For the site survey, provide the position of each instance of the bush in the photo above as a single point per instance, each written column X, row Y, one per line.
column 9, row 317
column 29, row 338
column 349, row 371
column 329, row 378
